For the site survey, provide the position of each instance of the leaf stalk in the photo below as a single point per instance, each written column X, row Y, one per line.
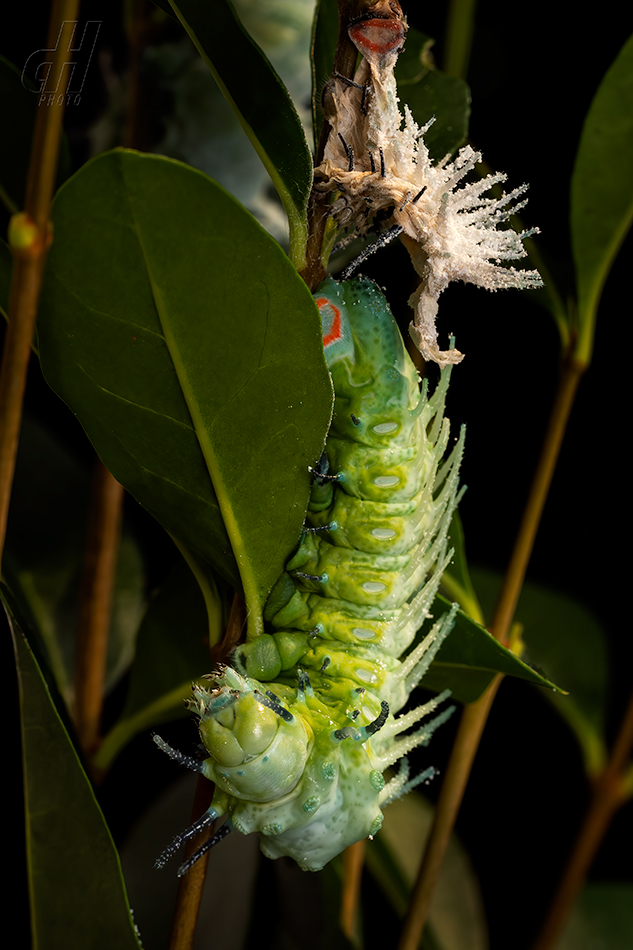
column 353, row 860
column 95, row 611
column 192, row 883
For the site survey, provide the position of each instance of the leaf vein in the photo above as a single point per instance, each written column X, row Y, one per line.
column 130, row 402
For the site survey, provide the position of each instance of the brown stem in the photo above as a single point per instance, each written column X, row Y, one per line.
column 314, row 272
column 475, row 714
column 134, row 133
column 467, row 739
column 353, row 859
column 95, row 611
column 607, row 797
column 345, row 59
column 29, row 260
column 192, row 883
column 233, row 633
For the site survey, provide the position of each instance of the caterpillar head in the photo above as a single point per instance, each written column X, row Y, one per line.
column 257, row 748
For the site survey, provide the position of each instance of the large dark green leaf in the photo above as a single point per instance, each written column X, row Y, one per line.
column 261, row 102
column 429, row 92
column 189, row 348
column 602, row 191
column 78, row 896
column 470, row 657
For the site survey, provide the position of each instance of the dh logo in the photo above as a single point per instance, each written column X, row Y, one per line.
column 76, row 57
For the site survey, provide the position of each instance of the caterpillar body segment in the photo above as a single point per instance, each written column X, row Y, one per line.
column 301, row 727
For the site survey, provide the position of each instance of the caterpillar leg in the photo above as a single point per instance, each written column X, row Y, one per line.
column 221, row 833
column 199, row 825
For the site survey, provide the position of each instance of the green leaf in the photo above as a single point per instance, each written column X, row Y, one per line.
column 563, row 637
column 78, row 896
column 261, row 102
column 172, row 650
column 44, row 555
column 602, row 191
column 193, row 359
column 470, row 657
column 456, row 919
column 429, row 92
column 602, row 917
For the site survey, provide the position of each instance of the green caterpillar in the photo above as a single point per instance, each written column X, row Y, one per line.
column 301, row 727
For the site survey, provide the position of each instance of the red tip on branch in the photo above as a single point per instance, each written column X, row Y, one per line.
column 377, row 37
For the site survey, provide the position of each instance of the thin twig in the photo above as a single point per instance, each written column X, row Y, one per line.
column 475, row 714
column 233, row 634
column 95, row 612
column 29, row 250
column 608, row 796
column 471, row 727
column 192, row 883
column 353, row 859
column 134, row 133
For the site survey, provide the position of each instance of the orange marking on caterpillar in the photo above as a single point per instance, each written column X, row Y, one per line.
column 334, row 333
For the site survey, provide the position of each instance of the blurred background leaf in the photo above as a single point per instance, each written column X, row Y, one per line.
column 430, row 93
column 563, row 637
column 602, row 191
column 43, row 563
column 602, row 918
column 261, row 103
